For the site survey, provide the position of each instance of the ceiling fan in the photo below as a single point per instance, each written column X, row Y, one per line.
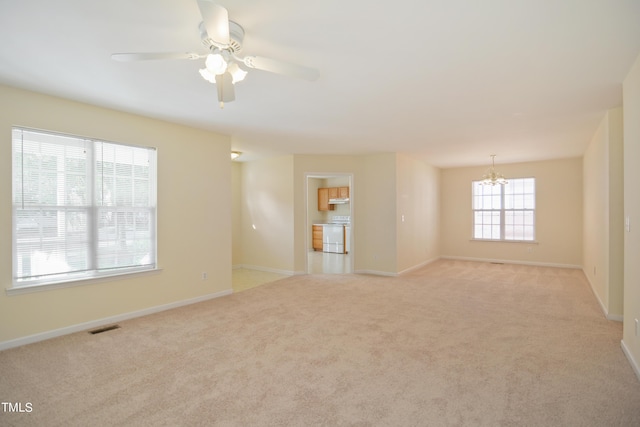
column 223, row 65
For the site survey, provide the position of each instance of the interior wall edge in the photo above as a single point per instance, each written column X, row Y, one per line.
column 603, row 307
column 418, row 266
column 634, row 363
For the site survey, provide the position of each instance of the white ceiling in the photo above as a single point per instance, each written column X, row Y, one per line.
column 450, row 80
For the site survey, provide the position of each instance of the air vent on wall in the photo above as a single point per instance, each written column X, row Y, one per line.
column 105, row 329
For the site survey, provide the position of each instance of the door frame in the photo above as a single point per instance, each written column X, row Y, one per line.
column 326, row 175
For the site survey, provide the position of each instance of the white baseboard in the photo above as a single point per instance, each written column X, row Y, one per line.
column 509, row 261
column 389, row 274
column 106, row 321
column 603, row 307
column 615, row 317
column 418, row 266
column 632, row 361
column 265, row 269
column 376, row 273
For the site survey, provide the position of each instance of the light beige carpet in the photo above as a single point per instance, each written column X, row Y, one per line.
column 452, row 344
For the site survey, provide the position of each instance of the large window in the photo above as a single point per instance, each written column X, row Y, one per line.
column 505, row 212
column 81, row 208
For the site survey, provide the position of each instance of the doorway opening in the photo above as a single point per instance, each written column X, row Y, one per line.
column 329, row 223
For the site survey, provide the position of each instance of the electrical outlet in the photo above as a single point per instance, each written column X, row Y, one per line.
column 204, row 275
column 594, row 270
column 637, row 328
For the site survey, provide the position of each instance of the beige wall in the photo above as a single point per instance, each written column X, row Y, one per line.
column 337, row 181
column 558, row 214
column 603, row 244
column 312, row 200
column 377, row 248
column 377, row 222
column 631, row 102
column 417, row 212
column 373, row 198
column 267, row 214
column 273, row 198
column 194, row 197
column 616, row 213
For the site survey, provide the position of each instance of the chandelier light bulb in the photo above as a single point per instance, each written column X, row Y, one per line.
column 492, row 177
column 216, row 64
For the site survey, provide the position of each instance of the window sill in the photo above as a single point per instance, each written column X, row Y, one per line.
column 69, row 283
column 528, row 242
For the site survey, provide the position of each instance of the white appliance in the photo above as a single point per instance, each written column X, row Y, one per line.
column 347, row 239
column 339, row 201
column 333, row 238
column 335, row 235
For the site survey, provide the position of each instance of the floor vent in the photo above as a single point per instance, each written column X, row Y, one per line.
column 105, row 329
column 498, row 263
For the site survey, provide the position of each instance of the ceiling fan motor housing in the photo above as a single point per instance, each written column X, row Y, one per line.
column 236, row 36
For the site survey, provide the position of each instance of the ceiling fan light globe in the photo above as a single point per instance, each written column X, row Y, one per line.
column 237, row 73
column 207, row 75
column 216, row 64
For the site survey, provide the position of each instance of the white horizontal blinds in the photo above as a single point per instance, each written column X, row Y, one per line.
column 51, row 201
column 82, row 208
column 125, row 200
column 487, row 204
column 520, row 204
column 504, row 212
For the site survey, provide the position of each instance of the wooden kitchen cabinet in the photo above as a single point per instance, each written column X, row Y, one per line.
column 324, row 194
column 317, row 237
column 323, row 200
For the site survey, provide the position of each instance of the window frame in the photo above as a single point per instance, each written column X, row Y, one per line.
column 502, row 210
column 91, row 207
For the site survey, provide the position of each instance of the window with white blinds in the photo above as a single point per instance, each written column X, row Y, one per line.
column 505, row 212
column 82, row 208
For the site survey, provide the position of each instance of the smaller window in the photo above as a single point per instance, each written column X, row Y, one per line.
column 504, row 212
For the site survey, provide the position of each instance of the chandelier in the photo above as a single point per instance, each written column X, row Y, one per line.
column 492, row 177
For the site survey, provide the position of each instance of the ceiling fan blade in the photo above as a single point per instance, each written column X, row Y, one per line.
column 151, row 56
column 280, row 67
column 226, row 91
column 216, row 21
